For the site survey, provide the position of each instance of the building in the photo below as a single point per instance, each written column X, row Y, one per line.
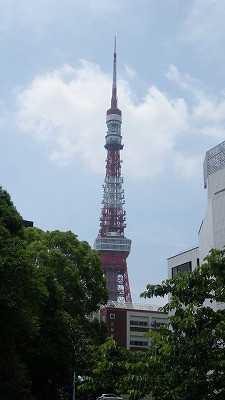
column 212, row 230
column 28, row 224
column 111, row 242
column 184, row 261
column 128, row 323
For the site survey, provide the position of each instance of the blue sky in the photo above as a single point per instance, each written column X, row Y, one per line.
column 55, row 80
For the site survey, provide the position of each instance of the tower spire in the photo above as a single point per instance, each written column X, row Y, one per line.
column 111, row 242
column 114, row 85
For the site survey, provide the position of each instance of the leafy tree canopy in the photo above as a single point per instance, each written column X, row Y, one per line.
column 50, row 283
column 75, row 268
column 190, row 352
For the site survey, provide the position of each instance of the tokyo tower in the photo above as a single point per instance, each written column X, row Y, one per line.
column 111, row 243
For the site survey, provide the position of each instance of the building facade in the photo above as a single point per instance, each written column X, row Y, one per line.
column 185, row 261
column 128, row 323
column 212, row 230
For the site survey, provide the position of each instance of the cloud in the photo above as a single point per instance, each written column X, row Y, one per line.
column 187, row 164
column 66, row 109
column 62, row 108
column 208, row 110
column 151, row 129
column 184, row 81
column 131, row 73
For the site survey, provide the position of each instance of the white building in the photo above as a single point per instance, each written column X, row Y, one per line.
column 212, row 230
column 128, row 323
column 185, row 261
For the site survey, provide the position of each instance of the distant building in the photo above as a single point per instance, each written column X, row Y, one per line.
column 128, row 323
column 28, row 223
column 212, row 230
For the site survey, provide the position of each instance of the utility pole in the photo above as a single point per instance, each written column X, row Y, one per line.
column 74, row 385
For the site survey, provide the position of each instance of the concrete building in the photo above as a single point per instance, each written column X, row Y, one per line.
column 185, row 261
column 212, row 230
column 128, row 323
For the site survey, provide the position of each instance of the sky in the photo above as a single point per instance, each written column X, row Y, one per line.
column 55, row 87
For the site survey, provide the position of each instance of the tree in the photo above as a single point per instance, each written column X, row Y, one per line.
column 190, row 359
column 73, row 276
column 50, row 283
column 109, row 369
column 74, row 266
column 17, row 307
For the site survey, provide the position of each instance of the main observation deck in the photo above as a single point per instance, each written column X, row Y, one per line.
column 112, row 244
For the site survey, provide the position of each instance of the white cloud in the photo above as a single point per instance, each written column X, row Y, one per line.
column 63, row 108
column 184, row 81
column 208, row 111
column 151, row 129
column 131, row 73
column 187, row 164
column 66, row 109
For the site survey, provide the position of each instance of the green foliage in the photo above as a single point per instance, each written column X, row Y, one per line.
column 191, row 351
column 50, row 283
column 75, row 269
column 17, row 320
column 72, row 274
column 108, row 371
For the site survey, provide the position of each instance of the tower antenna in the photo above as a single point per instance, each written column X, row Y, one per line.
column 114, row 85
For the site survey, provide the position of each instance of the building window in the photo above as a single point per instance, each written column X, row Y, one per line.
column 198, row 263
column 138, row 343
column 181, row 268
column 155, row 324
column 133, row 323
column 112, row 316
column 142, row 323
column 138, row 323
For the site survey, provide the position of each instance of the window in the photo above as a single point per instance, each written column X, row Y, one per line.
column 138, row 343
column 181, row 268
column 112, row 316
column 156, row 324
column 138, row 323
column 133, row 322
column 142, row 323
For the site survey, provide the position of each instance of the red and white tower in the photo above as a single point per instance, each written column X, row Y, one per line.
column 111, row 243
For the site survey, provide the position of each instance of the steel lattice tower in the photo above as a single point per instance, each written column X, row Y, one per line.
column 111, row 243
